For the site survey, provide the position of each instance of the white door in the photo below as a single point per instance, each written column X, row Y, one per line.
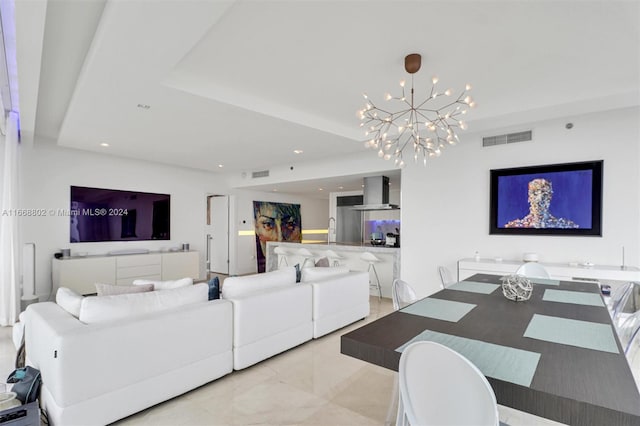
column 218, row 238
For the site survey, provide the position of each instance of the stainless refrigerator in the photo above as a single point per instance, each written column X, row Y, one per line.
column 348, row 220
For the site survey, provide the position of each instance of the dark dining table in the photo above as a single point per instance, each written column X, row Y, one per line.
column 556, row 355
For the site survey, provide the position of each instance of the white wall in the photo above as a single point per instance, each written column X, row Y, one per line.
column 314, row 214
column 445, row 206
column 47, row 173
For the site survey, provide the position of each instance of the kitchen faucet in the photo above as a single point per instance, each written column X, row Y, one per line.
column 329, row 228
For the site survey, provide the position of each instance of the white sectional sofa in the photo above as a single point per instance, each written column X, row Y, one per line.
column 97, row 373
column 104, row 358
column 340, row 297
column 273, row 313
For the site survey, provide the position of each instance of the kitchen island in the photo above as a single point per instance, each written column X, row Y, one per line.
column 388, row 268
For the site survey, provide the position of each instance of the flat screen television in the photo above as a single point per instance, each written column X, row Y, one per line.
column 555, row 199
column 113, row 215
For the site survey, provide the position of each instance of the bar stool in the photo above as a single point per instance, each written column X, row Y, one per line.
column 282, row 255
column 308, row 256
column 334, row 258
column 371, row 259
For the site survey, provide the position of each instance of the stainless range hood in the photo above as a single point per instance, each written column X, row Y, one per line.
column 376, row 194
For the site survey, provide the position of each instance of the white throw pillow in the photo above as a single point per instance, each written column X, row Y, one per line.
column 318, row 274
column 166, row 285
column 109, row 308
column 112, row 290
column 248, row 284
column 69, row 300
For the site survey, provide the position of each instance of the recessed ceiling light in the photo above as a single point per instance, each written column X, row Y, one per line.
column 363, row 186
column 104, row 144
column 320, row 189
column 220, row 166
column 341, row 187
column 298, row 151
column 275, row 190
column 144, row 106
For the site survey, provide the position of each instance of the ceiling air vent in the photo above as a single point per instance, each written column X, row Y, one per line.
column 260, row 174
column 508, row 138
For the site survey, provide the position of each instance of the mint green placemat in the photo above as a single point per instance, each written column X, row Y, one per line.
column 500, row 362
column 575, row 297
column 473, row 287
column 582, row 334
column 544, row 281
column 446, row 310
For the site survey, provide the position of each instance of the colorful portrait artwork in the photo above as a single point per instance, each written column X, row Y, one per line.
column 275, row 222
column 554, row 200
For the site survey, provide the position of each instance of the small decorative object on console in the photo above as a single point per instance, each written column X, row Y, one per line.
column 516, row 287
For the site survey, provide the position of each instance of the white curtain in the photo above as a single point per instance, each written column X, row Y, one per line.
column 9, row 292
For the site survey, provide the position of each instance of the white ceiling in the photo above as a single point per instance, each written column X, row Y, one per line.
column 244, row 83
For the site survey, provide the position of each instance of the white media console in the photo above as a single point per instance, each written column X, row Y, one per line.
column 81, row 273
column 561, row 271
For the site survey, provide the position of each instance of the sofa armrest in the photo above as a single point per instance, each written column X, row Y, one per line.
column 340, row 293
column 80, row 361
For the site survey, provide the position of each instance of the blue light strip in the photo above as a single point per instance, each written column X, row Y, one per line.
column 7, row 13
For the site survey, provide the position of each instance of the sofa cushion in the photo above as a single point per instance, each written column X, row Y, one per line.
column 166, row 285
column 241, row 286
column 108, row 308
column 112, row 290
column 69, row 300
column 317, row 274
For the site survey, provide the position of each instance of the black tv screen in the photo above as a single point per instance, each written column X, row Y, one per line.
column 556, row 199
column 114, row 215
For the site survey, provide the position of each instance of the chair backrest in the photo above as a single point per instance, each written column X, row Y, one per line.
column 628, row 333
column 402, row 294
column 445, row 277
column 532, row 270
column 619, row 299
column 439, row 386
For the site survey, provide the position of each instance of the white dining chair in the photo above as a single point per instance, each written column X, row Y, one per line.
column 453, row 393
column 628, row 333
column 618, row 301
column 445, row 277
column 532, row 270
column 402, row 294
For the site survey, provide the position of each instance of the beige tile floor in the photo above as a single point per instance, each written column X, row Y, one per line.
column 312, row 384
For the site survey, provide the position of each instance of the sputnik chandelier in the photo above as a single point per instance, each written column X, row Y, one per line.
column 422, row 127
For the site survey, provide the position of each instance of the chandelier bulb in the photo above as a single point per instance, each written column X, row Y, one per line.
column 388, row 96
column 434, row 79
column 387, row 157
column 472, row 104
column 401, row 164
column 467, row 87
column 402, row 83
column 364, row 95
column 447, row 92
column 380, row 153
